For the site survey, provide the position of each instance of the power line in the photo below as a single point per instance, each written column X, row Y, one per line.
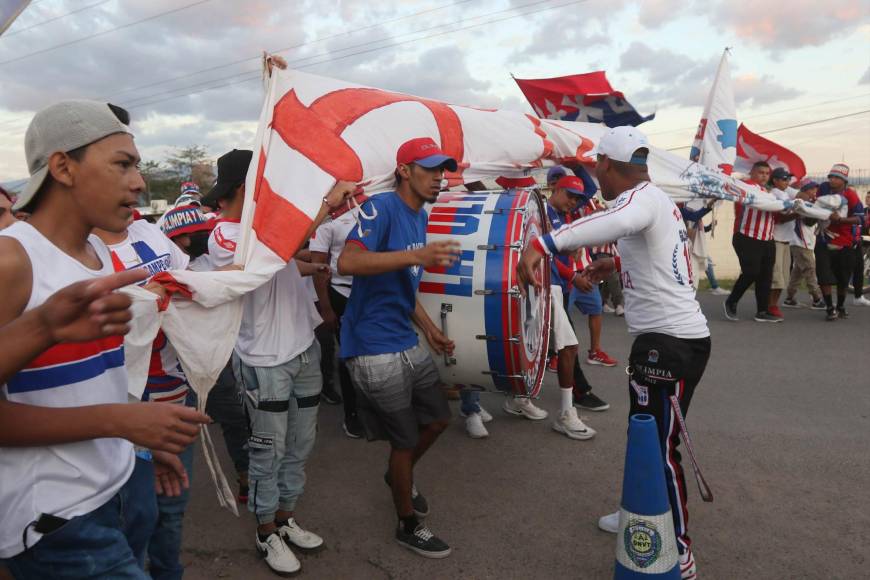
column 285, row 49
column 807, row 124
column 103, row 32
column 777, row 112
column 330, row 56
column 38, row 24
column 296, row 63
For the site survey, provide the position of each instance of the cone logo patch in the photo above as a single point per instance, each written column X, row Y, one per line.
column 643, row 542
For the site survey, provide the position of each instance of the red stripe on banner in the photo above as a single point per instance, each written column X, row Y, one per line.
column 261, row 168
column 315, row 131
column 548, row 145
column 279, row 224
column 439, row 229
column 75, row 351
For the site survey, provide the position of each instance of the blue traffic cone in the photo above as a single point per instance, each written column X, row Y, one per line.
column 646, row 546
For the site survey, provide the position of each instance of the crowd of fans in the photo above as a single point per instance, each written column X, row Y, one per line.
column 85, row 480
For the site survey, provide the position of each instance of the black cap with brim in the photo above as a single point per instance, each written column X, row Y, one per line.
column 232, row 170
column 217, row 193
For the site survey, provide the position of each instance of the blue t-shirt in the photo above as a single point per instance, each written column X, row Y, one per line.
column 557, row 220
column 377, row 319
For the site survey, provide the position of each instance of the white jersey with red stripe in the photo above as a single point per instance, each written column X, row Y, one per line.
column 72, row 479
column 147, row 247
column 655, row 265
column 754, row 223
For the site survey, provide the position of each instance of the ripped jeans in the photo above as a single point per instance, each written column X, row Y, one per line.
column 281, row 403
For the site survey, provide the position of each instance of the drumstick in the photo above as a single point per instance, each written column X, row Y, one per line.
column 706, row 493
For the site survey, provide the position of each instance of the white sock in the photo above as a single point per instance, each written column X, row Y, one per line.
column 567, row 398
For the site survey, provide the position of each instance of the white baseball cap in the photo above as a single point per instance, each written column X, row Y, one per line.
column 63, row 127
column 621, row 143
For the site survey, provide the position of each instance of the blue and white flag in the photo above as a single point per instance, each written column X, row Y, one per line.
column 715, row 143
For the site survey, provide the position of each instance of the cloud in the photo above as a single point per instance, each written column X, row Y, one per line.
column 866, row 78
column 677, row 79
column 654, row 13
column 788, row 24
column 558, row 31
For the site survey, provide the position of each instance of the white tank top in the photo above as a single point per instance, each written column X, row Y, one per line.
column 75, row 478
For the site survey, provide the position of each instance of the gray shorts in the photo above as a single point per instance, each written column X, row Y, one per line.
column 398, row 392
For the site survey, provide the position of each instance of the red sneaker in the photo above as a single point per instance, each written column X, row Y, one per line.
column 553, row 364
column 775, row 311
column 599, row 357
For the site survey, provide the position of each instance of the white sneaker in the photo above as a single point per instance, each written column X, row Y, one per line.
column 569, row 424
column 293, row 533
column 474, row 426
column 486, row 417
column 523, row 407
column 688, row 569
column 719, row 291
column 619, row 310
column 607, row 308
column 609, row 523
column 862, row 301
column 278, row 555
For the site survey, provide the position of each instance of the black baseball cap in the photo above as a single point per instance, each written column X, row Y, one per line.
column 780, row 173
column 232, row 169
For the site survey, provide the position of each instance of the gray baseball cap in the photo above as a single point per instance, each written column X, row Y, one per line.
column 63, row 127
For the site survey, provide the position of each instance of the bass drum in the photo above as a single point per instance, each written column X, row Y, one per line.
column 501, row 337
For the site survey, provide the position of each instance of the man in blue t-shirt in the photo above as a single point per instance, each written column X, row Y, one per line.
column 399, row 398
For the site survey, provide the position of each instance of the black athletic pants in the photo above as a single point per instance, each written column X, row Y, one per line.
column 661, row 366
column 858, row 273
column 756, row 267
column 339, row 303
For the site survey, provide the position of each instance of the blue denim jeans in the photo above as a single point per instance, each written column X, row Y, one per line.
column 108, row 542
column 282, row 404
column 470, row 401
column 164, row 546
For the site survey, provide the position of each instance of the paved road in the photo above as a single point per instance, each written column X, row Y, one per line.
column 781, row 422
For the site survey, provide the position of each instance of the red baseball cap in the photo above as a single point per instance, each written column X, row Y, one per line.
column 424, row 152
column 571, row 183
column 511, row 182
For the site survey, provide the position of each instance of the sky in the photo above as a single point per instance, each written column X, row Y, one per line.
column 188, row 69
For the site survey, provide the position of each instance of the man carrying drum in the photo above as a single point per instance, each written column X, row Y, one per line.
column 398, row 388
column 672, row 342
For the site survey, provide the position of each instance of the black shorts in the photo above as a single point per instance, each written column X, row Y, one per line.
column 396, row 393
column 834, row 267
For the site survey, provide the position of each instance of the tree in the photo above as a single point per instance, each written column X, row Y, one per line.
column 190, row 164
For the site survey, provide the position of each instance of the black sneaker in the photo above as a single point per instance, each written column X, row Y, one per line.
column 767, row 317
column 330, row 395
column 791, row 303
column 841, row 313
column 590, row 402
column 730, row 311
column 421, row 506
column 832, row 315
column 422, row 541
column 818, row 305
column 352, row 427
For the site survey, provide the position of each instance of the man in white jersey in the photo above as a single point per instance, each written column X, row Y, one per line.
column 278, row 362
column 70, row 498
column 143, row 246
column 672, row 342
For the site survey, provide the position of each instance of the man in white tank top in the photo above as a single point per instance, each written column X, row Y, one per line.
column 64, row 471
column 672, row 342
